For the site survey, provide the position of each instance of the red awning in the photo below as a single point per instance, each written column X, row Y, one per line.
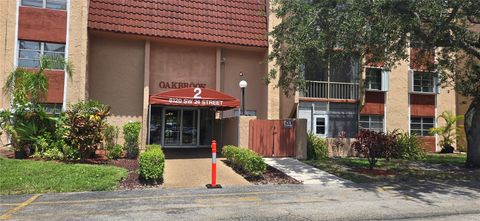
column 195, row 97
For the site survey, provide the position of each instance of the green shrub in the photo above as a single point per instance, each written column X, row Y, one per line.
column 110, row 135
column 86, row 121
column 53, row 154
column 114, row 152
column 151, row 164
column 152, row 146
column 245, row 159
column 409, row 147
column 372, row 145
column 317, row 147
column 131, row 134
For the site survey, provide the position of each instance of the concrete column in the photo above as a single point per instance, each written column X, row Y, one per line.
column 146, row 95
column 244, row 130
column 218, row 70
column 273, row 92
column 8, row 40
column 397, row 99
column 77, row 86
column 301, row 139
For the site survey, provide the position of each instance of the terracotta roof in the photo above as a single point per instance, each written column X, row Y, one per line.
column 241, row 22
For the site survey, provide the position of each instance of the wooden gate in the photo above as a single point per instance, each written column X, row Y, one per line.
column 272, row 138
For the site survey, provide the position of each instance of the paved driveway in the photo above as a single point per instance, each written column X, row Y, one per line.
column 192, row 168
column 264, row 202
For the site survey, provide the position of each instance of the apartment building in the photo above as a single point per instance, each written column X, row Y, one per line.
column 128, row 53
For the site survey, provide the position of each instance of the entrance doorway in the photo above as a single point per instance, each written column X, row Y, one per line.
column 176, row 127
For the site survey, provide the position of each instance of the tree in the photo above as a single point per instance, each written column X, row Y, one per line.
column 27, row 120
column 382, row 31
column 31, row 85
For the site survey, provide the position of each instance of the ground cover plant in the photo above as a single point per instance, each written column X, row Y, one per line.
column 434, row 167
column 28, row 176
column 245, row 160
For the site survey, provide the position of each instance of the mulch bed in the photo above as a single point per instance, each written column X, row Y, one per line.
column 373, row 172
column 133, row 180
column 271, row 176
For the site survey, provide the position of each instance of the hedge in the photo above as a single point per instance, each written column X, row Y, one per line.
column 151, row 164
column 245, row 159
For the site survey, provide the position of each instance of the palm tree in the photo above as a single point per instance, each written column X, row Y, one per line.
column 449, row 132
column 31, row 85
column 28, row 87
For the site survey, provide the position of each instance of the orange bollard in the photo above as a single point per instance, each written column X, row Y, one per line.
column 214, row 167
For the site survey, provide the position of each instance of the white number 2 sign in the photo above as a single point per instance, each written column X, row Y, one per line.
column 197, row 91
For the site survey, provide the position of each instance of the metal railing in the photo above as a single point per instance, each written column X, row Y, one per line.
column 331, row 90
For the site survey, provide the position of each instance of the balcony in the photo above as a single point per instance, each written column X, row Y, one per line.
column 331, row 90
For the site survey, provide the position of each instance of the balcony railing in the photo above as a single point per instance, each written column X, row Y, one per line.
column 331, row 90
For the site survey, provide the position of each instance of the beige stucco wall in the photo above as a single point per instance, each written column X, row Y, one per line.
column 116, row 75
column 251, row 64
column 181, row 63
column 226, row 131
column 77, row 86
column 8, row 23
column 233, row 131
column 397, row 102
column 244, row 130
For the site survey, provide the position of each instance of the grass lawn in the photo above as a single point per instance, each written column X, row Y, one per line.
column 435, row 167
column 26, row 176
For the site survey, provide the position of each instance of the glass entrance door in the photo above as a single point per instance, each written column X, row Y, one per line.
column 189, row 127
column 172, row 127
column 180, row 127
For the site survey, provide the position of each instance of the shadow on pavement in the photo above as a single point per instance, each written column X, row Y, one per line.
column 466, row 186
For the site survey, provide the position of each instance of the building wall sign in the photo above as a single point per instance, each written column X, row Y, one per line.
column 179, row 85
column 195, row 97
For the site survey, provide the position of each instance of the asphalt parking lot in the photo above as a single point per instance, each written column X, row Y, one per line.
column 264, row 202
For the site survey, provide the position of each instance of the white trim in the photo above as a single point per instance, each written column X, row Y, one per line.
column 410, row 84
column 325, row 116
column 385, row 111
column 17, row 46
column 148, row 123
column 67, row 38
column 435, row 119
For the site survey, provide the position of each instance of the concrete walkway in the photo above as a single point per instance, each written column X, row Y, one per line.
column 185, row 168
column 303, row 172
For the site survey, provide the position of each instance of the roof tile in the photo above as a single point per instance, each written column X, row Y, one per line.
column 241, row 22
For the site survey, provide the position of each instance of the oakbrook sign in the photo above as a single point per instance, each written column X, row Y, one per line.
column 178, row 85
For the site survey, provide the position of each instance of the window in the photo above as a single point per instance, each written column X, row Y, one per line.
column 373, row 79
column 29, row 53
column 372, row 122
column 424, row 82
column 52, row 4
column 420, row 126
column 321, row 126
